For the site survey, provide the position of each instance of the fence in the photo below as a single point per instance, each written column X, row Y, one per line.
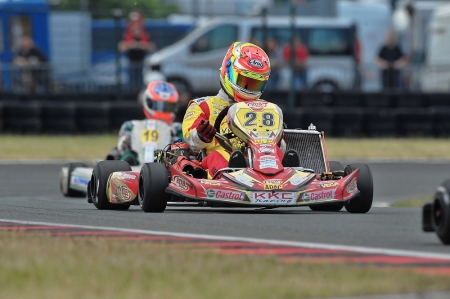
column 106, row 77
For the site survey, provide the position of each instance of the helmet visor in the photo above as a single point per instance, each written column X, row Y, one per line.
column 245, row 82
column 162, row 106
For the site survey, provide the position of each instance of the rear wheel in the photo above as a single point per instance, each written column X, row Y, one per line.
column 440, row 212
column 98, row 183
column 153, row 182
column 70, row 169
column 335, row 207
column 363, row 202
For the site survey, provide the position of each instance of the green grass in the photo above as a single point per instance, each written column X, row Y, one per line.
column 413, row 203
column 40, row 266
column 96, row 146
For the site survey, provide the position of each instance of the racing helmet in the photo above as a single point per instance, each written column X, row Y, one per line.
column 161, row 101
column 245, row 71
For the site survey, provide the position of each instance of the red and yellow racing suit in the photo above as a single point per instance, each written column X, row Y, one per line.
column 207, row 108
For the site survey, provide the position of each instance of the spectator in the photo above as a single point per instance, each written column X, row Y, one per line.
column 276, row 61
column 136, row 44
column 390, row 60
column 32, row 73
column 301, row 61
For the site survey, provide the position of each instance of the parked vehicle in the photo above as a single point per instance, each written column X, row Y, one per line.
column 193, row 62
column 435, row 75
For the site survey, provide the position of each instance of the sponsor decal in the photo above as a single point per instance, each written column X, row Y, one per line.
column 180, row 183
column 124, row 193
column 256, row 63
column 209, row 182
column 257, row 104
column 266, row 149
column 244, row 180
column 127, row 176
column 329, row 185
column 352, row 187
column 79, row 181
column 318, row 195
column 274, row 184
column 217, row 106
column 188, row 115
column 268, row 162
column 263, row 140
column 280, row 198
column 225, row 194
column 298, row 179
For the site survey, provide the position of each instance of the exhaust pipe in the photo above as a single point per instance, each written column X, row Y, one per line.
column 436, row 214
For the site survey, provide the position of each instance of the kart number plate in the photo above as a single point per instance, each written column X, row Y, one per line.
column 150, row 136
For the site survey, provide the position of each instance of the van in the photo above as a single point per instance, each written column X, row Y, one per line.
column 193, row 63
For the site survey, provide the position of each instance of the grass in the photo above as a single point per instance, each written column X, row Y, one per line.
column 40, row 266
column 413, row 203
column 96, row 146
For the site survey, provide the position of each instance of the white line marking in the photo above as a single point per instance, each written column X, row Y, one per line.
column 359, row 249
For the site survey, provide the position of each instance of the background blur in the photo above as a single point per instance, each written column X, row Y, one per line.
column 360, row 68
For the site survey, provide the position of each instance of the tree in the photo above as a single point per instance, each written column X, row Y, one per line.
column 103, row 8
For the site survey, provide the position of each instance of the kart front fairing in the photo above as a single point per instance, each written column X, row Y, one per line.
column 290, row 187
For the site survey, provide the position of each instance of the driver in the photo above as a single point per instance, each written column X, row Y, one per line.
column 243, row 77
column 139, row 138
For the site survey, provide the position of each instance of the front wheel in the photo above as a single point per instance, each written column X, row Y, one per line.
column 99, row 180
column 153, row 182
column 440, row 212
column 362, row 203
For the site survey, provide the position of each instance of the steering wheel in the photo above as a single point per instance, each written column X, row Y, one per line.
column 223, row 139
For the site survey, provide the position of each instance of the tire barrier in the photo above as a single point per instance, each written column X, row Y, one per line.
column 339, row 114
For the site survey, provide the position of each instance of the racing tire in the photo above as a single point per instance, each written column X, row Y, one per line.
column 99, row 179
column 70, row 169
column 441, row 213
column 362, row 203
column 153, row 182
column 336, row 207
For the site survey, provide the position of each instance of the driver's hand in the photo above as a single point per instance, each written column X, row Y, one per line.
column 206, row 131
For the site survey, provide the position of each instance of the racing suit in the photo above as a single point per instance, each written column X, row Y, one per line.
column 139, row 138
column 207, row 108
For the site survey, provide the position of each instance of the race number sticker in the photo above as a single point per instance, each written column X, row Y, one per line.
column 258, row 121
column 150, row 136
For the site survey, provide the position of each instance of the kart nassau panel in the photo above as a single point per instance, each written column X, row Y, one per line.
column 80, row 178
column 122, row 186
column 288, row 188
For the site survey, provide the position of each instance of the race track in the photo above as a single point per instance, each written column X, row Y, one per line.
column 31, row 192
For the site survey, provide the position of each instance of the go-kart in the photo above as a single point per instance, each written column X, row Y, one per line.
column 255, row 177
column 147, row 135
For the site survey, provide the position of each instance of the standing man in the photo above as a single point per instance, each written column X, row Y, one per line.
column 33, row 68
column 391, row 60
column 136, row 44
column 301, row 61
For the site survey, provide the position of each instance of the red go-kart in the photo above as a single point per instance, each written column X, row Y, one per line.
column 256, row 176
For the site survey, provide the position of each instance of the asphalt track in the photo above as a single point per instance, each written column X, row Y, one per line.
column 30, row 192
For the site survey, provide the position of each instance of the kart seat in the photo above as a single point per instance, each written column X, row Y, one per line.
column 291, row 159
column 237, row 160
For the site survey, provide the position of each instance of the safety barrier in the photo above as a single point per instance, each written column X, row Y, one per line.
column 349, row 114
column 88, row 118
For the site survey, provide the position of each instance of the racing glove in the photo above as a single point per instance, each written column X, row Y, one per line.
column 206, row 131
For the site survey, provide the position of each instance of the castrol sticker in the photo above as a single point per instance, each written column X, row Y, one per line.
column 318, row 195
